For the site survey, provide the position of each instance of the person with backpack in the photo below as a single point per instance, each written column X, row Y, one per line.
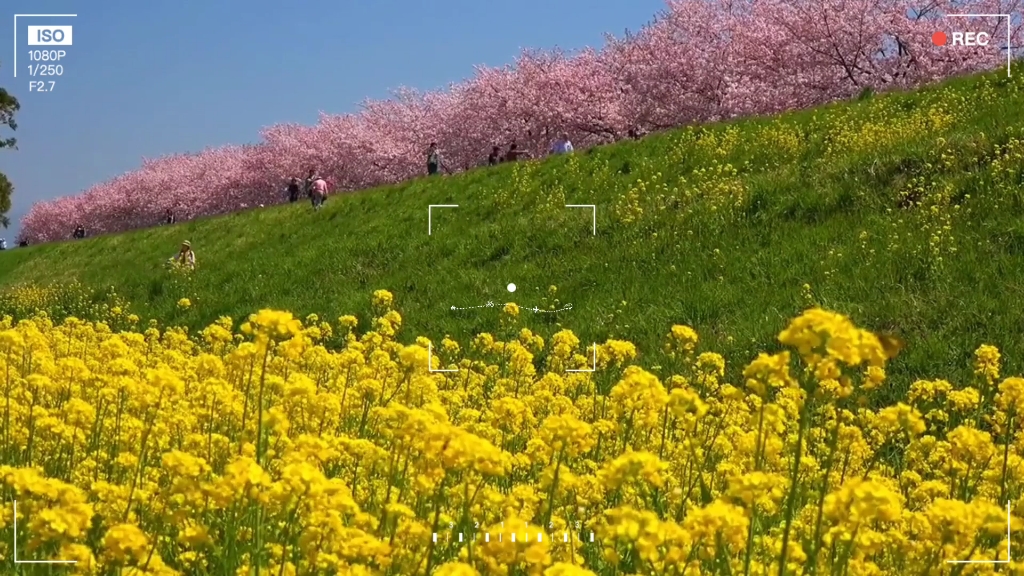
column 318, row 193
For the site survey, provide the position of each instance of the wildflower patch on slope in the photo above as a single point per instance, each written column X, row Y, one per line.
column 256, row 445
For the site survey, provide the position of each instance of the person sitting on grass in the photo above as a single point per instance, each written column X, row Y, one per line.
column 185, row 258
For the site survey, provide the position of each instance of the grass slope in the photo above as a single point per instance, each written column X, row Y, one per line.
column 903, row 211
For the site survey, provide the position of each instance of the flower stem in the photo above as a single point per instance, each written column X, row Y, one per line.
column 794, row 486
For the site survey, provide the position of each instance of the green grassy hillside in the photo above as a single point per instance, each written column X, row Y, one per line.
column 903, row 211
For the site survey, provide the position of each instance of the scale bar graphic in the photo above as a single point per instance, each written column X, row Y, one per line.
column 534, row 309
column 487, row 537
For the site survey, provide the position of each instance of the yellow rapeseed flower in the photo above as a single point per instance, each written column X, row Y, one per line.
column 154, row 450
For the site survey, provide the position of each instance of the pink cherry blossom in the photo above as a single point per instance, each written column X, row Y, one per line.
column 697, row 61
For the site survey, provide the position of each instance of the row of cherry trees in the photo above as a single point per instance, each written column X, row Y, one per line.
column 698, row 61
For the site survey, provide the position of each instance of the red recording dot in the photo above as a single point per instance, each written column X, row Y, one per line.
column 939, row 38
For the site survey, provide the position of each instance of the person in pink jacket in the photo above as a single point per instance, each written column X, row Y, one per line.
column 318, row 193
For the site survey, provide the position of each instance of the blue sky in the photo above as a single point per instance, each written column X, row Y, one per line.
column 149, row 78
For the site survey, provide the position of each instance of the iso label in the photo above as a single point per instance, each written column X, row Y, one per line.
column 49, row 35
column 47, row 53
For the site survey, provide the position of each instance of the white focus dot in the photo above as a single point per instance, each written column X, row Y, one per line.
column 511, row 287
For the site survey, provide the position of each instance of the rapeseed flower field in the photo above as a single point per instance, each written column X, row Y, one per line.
column 252, row 448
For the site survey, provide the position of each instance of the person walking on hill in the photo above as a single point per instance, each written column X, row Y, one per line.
column 434, row 162
column 318, row 193
column 307, row 184
column 185, row 257
column 169, row 217
column 79, row 232
column 495, row 156
column 294, row 190
column 514, row 153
